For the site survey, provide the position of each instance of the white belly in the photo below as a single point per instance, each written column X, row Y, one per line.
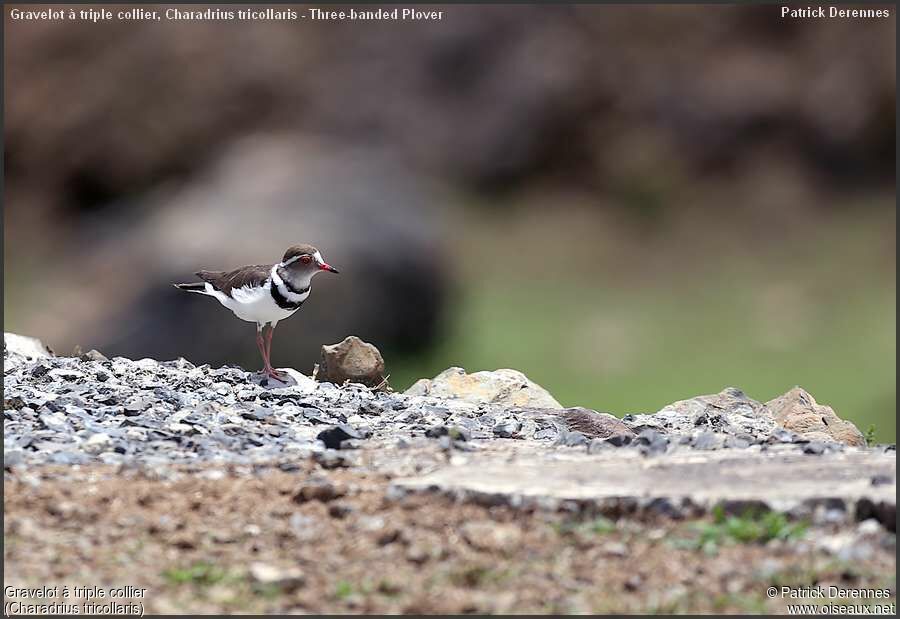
column 252, row 304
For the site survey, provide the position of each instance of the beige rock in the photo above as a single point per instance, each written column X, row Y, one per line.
column 504, row 387
column 351, row 360
column 799, row 412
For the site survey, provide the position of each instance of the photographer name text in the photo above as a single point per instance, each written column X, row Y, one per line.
column 829, row 12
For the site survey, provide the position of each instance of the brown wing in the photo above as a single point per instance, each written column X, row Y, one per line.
column 254, row 276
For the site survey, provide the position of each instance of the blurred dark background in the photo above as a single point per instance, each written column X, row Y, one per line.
column 632, row 205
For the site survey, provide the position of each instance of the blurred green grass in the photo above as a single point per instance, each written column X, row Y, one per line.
column 813, row 306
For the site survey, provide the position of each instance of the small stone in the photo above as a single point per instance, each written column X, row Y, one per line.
column 707, row 441
column 507, row 429
column 455, row 433
column 619, row 440
column 614, row 549
column 270, row 575
column 437, row 431
column 733, row 442
column 881, row 480
column 572, row 439
column 634, row 582
column 339, row 510
column 331, row 459
column 93, row 355
column 491, row 536
column 333, row 437
column 651, row 442
column 599, row 445
column 814, row 448
column 417, row 554
column 321, row 491
column 97, row 442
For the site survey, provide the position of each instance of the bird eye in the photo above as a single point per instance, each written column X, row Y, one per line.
column 305, row 259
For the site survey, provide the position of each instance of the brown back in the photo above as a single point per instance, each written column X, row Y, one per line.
column 254, row 276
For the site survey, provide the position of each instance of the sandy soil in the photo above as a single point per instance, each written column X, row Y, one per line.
column 338, row 541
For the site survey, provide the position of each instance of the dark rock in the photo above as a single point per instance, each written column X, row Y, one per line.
column 321, row 491
column 454, row 432
column 339, row 510
column 882, row 511
column 334, row 436
column 651, row 442
column 619, row 440
column 881, row 480
column 351, row 360
column 437, row 431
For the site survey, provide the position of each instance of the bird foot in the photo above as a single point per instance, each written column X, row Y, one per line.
column 278, row 375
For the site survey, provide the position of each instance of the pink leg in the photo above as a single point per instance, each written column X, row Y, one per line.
column 262, row 351
column 272, row 371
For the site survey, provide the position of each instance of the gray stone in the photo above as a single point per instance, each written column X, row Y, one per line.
column 507, row 429
column 572, row 439
column 707, row 441
column 814, row 447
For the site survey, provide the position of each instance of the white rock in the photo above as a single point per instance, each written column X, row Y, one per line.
column 97, row 442
column 21, row 348
column 285, row 578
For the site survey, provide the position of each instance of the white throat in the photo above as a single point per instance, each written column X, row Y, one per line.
column 299, row 283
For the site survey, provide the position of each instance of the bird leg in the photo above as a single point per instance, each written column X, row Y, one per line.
column 276, row 374
column 261, row 345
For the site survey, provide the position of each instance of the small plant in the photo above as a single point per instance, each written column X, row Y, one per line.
column 602, row 526
column 598, row 526
column 343, row 590
column 200, row 574
column 753, row 527
column 870, row 435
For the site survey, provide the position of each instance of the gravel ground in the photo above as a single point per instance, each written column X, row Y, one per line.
column 216, row 493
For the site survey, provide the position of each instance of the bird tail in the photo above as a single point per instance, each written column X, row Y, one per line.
column 195, row 287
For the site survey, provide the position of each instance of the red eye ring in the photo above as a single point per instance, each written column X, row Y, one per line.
column 305, row 259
